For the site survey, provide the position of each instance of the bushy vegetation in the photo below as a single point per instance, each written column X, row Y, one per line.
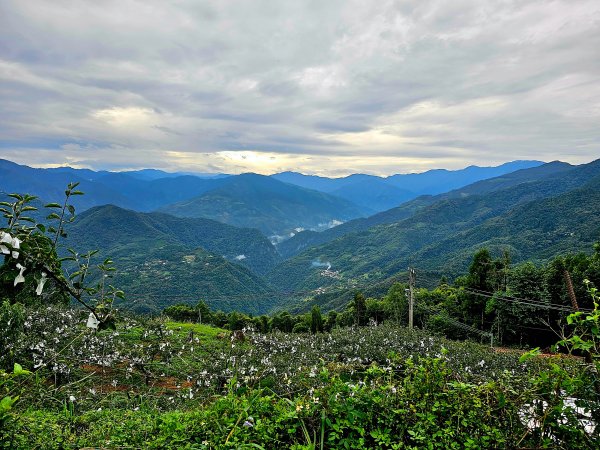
column 156, row 384
column 523, row 305
column 92, row 376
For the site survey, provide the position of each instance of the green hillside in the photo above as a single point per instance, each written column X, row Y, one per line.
column 115, row 229
column 534, row 231
column 163, row 260
column 274, row 207
column 170, row 274
column 306, row 239
column 442, row 236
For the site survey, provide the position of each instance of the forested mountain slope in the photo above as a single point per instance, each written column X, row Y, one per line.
column 386, row 249
column 537, row 230
column 261, row 202
column 171, row 275
column 306, row 239
column 163, row 260
column 115, row 229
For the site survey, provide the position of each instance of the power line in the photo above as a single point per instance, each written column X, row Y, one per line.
column 341, row 290
column 444, row 315
column 522, row 301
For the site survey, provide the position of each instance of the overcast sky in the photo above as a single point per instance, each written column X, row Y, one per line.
column 326, row 87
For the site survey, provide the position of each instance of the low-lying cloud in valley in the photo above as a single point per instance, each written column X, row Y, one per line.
column 318, row 263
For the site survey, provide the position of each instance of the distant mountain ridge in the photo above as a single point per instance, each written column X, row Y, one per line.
column 306, row 239
column 420, row 183
column 151, row 189
column 102, row 187
column 262, row 202
column 383, row 193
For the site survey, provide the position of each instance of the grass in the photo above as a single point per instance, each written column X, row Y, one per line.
column 200, row 330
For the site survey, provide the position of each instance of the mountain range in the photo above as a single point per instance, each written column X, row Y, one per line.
column 278, row 205
column 382, row 193
column 534, row 215
column 182, row 237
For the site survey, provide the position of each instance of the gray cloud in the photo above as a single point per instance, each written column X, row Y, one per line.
column 321, row 87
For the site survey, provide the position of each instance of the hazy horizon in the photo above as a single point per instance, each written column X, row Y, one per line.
column 184, row 172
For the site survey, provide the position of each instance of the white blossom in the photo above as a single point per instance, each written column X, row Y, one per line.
column 5, row 238
column 92, row 321
column 13, row 242
column 16, row 244
column 41, row 282
column 20, row 278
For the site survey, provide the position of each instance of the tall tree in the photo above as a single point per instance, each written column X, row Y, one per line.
column 360, row 309
column 316, row 320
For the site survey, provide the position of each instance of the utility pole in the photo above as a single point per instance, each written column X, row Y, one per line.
column 570, row 289
column 411, row 295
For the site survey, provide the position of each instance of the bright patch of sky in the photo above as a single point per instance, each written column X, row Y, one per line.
column 325, row 87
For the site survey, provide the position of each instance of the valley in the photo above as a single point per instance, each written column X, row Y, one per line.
column 220, row 243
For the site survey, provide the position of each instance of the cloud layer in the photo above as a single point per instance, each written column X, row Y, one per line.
column 329, row 87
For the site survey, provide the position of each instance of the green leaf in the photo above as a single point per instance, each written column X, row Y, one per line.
column 5, row 404
column 530, row 354
column 18, row 370
column 52, row 205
